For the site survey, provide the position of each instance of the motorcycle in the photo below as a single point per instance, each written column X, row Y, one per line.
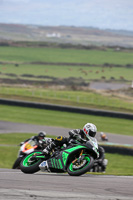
column 75, row 159
column 26, row 148
column 103, row 136
column 97, row 167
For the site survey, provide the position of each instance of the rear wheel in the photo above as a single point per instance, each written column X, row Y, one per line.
column 30, row 165
column 79, row 168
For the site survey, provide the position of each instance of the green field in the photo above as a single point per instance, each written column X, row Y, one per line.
column 117, row 164
column 99, row 57
column 86, row 73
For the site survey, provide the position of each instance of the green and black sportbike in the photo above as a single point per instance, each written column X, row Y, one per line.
column 76, row 159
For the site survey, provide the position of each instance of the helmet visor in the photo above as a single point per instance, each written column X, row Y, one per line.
column 92, row 134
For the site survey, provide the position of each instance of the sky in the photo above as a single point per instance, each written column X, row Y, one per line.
column 103, row 14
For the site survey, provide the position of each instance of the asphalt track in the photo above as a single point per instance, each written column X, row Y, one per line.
column 10, row 127
column 16, row 185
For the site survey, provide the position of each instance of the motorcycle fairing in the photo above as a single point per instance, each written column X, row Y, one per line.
column 59, row 162
column 28, row 147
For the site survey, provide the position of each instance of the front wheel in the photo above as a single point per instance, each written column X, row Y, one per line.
column 17, row 163
column 79, row 168
column 29, row 164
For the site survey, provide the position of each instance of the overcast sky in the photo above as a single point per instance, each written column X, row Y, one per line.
column 113, row 14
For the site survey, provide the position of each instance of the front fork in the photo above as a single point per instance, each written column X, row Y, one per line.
column 81, row 156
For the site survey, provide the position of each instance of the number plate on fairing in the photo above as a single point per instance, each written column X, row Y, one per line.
column 43, row 166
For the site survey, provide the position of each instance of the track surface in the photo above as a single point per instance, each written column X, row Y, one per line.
column 10, row 127
column 16, row 185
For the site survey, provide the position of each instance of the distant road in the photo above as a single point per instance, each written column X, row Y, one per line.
column 107, row 86
column 11, row 127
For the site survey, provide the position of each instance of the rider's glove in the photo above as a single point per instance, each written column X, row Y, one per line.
column 73, row 134
column 21, row 143
column 40, row 143
column 64, row 145
column 45, row 151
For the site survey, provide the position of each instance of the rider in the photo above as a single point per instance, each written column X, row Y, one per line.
column 89, row 131
column 77, row 134
column 40, row 139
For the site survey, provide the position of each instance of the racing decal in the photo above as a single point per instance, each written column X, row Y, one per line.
column 56, row 163
column 74, row 148
column 29, row 146
column 64, row 157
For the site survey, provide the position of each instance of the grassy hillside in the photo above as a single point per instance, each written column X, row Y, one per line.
column 66, row 35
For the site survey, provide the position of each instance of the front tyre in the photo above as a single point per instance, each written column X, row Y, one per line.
column 17, row 163
column 29, row 165
column 77, row 169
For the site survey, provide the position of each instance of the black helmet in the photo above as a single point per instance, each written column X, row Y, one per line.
column 42, row 134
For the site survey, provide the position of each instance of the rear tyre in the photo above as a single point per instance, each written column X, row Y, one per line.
column 82, row 168
column 29, row 166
